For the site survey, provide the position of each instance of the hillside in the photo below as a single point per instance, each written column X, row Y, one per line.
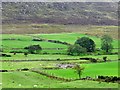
column 82, row 13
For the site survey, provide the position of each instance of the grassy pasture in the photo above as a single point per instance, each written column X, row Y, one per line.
column 22, row 41
column 72, row 37
column 54, row 57
column 39, row 64
column 35, row 64
column 33, row 80
column 92, row 70
column 19, row 79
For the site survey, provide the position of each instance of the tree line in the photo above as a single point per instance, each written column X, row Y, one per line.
column 82, row 46
column 86, row 45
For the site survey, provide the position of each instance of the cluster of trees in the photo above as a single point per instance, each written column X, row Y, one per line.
column 85, row 44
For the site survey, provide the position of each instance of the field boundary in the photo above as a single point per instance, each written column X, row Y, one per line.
column 26, row 60
column 49, row 40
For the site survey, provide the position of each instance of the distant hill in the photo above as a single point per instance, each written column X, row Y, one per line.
column 83, row 13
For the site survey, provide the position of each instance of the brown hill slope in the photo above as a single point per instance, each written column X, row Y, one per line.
column 82, row 13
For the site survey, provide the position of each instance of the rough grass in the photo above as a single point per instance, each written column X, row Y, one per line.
column 57, row 28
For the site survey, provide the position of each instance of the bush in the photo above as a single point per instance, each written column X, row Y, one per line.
column 58, row 59
column 16, row 51
column 33, row 49
column 104, row 58
column 24, row 69
column 25, row 53
column 45, row 53
column 93, row 60
column 3, row 70
column 109, row 78
column 5, row 55
column 35, row 39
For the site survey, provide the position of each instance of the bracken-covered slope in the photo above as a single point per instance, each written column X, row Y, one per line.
column 83, row 13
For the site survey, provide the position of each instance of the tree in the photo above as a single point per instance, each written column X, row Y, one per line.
column 106, row 43
column 87, row 43
column 33, row 49
column 76, row 50
column 79, row 70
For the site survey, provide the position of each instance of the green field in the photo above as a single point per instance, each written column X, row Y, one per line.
column 43, row 45
column 92, row 70
column 21, row 41
column 33, row 80
column 66, row 37
column 16, row 42
column 72, row 37
column 54, row 57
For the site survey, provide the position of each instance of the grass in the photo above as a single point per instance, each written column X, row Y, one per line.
column 26, row 42
column 39, row 64
column 19, row 79
column 57, row 28
column 35, row 64
column 92, row 70
column 72, row 37
column 65, row 37
column 33, row 80
column 54, row 57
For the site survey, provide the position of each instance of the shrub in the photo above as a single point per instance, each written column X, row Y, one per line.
column 5, row 55
column 58, row 59
column 17, row 51
column 93, row 60
column 45, row 53
column 24, row 69
column 35, row 39
column 33, row 49
column 25, row 53
column 104, row 58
